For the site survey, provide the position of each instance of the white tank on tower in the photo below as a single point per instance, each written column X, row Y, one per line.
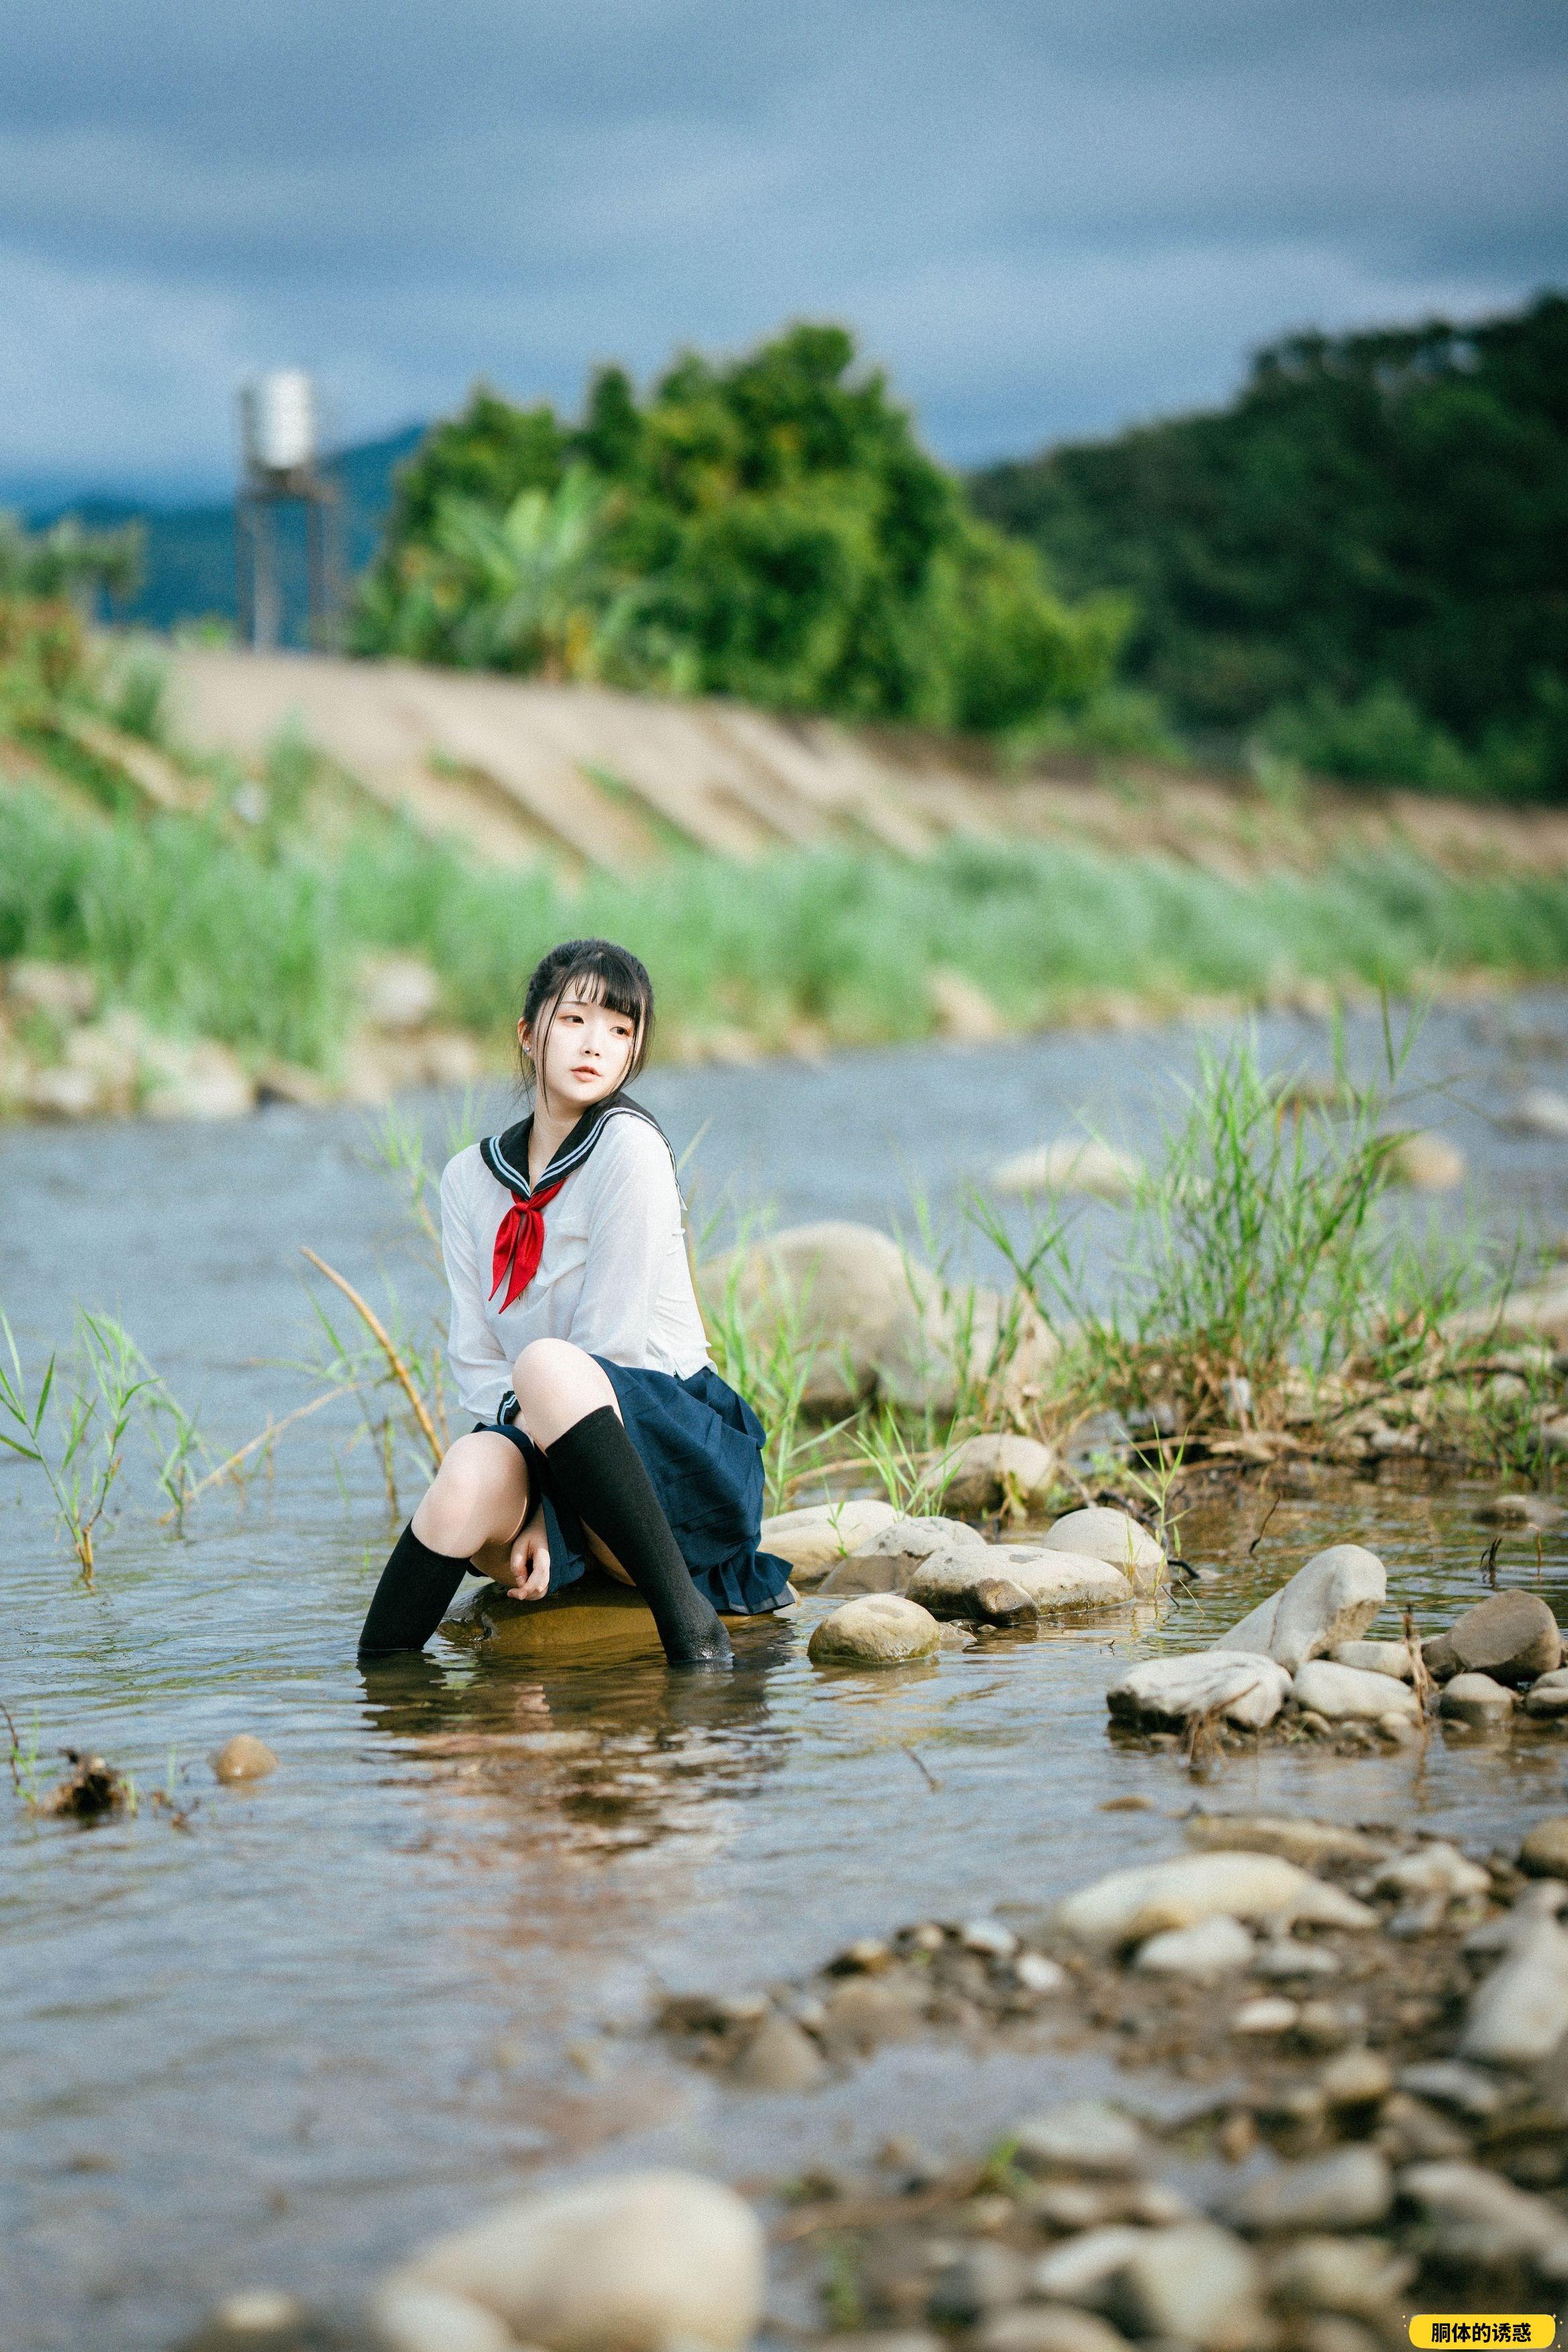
column 278, row 422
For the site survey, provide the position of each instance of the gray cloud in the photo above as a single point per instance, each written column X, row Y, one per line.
column 1043, row 215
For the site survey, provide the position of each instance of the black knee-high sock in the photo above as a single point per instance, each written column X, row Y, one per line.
column 414, row 1595
column 599, row 1470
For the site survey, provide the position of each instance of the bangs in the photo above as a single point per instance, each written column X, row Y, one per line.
column 605, row 976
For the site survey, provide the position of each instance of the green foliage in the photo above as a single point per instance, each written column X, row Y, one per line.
column 768, row 528
column 1367, row 544
column 66, row 561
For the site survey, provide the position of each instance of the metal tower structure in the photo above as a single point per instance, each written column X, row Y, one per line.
column 280, row 460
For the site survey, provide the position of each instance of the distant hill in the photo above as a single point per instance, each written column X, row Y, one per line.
column 188, row 570
column 1367, row 549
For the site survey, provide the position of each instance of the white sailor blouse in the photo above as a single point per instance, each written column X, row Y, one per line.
column 612, row 1277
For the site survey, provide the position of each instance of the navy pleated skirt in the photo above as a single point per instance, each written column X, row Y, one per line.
column 701, row 1445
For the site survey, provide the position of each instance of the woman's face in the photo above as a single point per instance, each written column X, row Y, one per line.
column 587, row 1051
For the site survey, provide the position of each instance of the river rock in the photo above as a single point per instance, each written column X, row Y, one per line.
column 1392, row 1658
column 1348, row 1695
column 62, row 993
column 882, row 1629
column 1359, row 2276
column 872, row 1319
column 778, row 2056
column 1544, row 1853
column 1070, row 1164
column 1114, row 1536
column 1520, row 2013
column 1520, row 1511
column 1477, row 1699
column 1131, row 1904
column 1333, row 1599
column 1248, row 1690
column 815, row 1539
column 1081, row 2135
column 886, row 1560
column 1191, row 2285
column 244, row 1757
column 1351, row 2189
column 1513, row 1637
column 998, row 1471
column 1435, row 1869
column 428, row 2319
column 1271, row 2014
column 1549, row 1697
column 949, row 1583
column 1424, row 1162
column 200, row 1080
column 1293, row 1836
column 868, row 2010
column 1208, row 1949
column 1539, row 1110
column 645, row 2262
column 1478, row 2218
column 984, row 2277
column 1041, row 2327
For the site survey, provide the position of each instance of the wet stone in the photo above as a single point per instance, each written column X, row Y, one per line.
column 882, row 1629
column 1191, row 2285
column 1547, row 1699
column 1209, row 1949
column 1333, row 1599
column 1049, row 2328
column 1081, row 2135
column 1350, row 1695
column 1246, row 1689
column 1513, row 1637
column 1476, row 1700
column 1544, row 1853
column 1350, row 2189
column 244, row 1757
column 1392, row 1658
column 984, row 2278
column 779, row 2057
column 1115, row 1538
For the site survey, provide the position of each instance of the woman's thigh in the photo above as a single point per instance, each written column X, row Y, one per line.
column 480, row 1499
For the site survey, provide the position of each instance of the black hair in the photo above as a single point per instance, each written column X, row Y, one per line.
column 604, row 973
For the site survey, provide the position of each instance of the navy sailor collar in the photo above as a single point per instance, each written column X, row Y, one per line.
column 506, row 1155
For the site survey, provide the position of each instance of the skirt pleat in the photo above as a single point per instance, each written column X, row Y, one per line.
column 701, row 1445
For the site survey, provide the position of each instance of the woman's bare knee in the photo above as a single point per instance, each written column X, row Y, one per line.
column 479, row 1495
column 556, row 1385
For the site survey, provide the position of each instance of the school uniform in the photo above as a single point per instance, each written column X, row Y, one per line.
column 595, row 1253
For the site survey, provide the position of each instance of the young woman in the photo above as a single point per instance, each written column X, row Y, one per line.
column 601, row 1427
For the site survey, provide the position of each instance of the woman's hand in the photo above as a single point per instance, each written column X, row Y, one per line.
column 527, row 1575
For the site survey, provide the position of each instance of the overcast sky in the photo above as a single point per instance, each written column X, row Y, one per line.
column 1046, row 218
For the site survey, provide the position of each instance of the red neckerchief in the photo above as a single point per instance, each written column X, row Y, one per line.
column 519, row 1242
column 520, row 1237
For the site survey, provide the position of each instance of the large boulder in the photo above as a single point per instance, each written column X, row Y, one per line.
column 1000, row 1471
column 814, row 1540
column 1246, row 1689
column 890, row 1557
column 876, row 1322
column 948, row 1582
column 1130, row 1905
column 1333, row 1599
column 1072, row 1164
column 1513, row 1637
column 1114, row 1536
column 643, row 2261
column 881, row 1629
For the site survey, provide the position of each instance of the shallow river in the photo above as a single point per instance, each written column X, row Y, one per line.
column 408, row 1971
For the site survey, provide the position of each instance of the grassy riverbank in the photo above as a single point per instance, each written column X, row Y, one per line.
column 256, row 942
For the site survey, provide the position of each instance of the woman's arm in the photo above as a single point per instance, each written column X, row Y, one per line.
column 478, row 1362
column 635, row 1222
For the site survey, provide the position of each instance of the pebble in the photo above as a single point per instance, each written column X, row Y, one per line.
column 1047, row 2327
column 1270, row 2014
column 869, row 2010
column 1476, row 1699
column 983, row 2278
column 1035, row 1973
column 1249, row 1688
column 1424, row 1162
column 1481, row 2218
column 644, row 2261
column 427, row 2319
column 1356, row 2078
column 1192, row 2285
column 1513, row 1637
column 1549, row 1697
column 882, row 1629
column 1333, row 1599
column 1329, row 2025
column 998, row 1469
column 1449, row 2082
column 779, row 2057
column 1350, row 1695
column 1079, row 2271
column 1539, row 1110
column 1375, row 1658
column 1081, row 2135
column 1360, row 2277
column 1210, row 1949
column 1293, row 1836
column 1544, row 1853
column 1519, row 2014
column 1000, row 1601
column 1285, row 1959
column 990, row 1937
column 1435, row 1869
column 1131, row 1904
column 1115, row 1538
column 244, row 1757
column 1352, row 2188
